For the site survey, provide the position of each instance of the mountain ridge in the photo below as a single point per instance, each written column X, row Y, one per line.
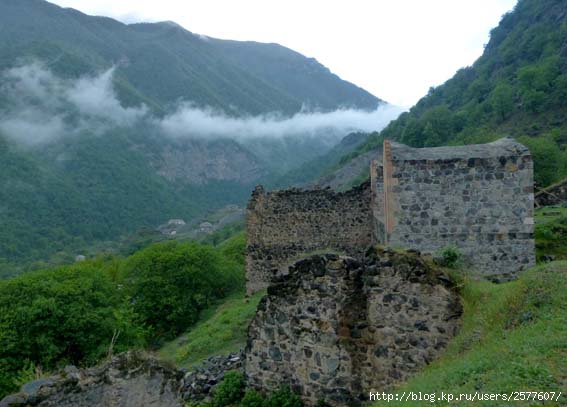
column 189, row 64
column 101, row 122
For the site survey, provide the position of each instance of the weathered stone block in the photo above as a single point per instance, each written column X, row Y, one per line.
column 490, row 185
column 377, row 332
column 283, row 226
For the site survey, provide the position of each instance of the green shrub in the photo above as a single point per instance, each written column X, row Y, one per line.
column 229, row 391
column 234, row 249
column 26, row 374
column 170, row 283
column 252, row 399
column 450, row 256
column 284, row 397
column 551, row 235
column 80, row 313
column 60, row 316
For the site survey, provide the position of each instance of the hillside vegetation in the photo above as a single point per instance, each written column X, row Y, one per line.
column 551, row 234
column 517, row 88
column 78, row 314
column 86, row 154
column 512, row 339
column 222, row 329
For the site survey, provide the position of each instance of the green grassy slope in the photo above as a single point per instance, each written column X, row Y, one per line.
column 551, row 233
column 513, row 335
column 513, row 338
column 222, row 329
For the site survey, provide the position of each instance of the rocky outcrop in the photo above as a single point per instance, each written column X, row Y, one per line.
column 199, row 383
column 341, row 178
column 128, row 380
column 198, row 162
column 335, row 328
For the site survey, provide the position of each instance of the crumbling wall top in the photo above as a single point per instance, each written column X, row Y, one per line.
column 503, row 147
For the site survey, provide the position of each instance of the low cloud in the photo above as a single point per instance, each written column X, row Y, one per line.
column 94, row 97
column 189, row 121
column 33, row 126
column 42, row 107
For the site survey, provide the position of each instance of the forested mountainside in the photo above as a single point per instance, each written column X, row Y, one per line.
column 517, row 88
column 161, row 63
column 106, row 128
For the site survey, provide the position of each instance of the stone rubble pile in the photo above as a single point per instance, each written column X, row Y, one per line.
column 131, row 379
column 199, row 382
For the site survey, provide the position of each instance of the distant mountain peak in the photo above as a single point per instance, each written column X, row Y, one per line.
column 169, row 63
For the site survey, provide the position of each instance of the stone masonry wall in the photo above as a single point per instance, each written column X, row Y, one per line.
column 377, row 186
column 477, row 197
column 283, row 226
column 335, row 328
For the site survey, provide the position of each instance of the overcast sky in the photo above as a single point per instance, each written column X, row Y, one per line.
column 396, row 49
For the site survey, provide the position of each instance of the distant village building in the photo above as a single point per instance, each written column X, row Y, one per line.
column 176, row 222
column 80, row 258
column 206, row 227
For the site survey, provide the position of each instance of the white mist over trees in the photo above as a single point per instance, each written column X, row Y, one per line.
column 44, row 107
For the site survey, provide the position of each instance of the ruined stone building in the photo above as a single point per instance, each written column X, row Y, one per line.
column 342, row 318
column 479, row 198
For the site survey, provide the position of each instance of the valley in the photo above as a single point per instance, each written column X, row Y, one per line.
column 203, row 222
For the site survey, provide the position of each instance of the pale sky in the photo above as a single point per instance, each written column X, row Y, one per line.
column 395, row 49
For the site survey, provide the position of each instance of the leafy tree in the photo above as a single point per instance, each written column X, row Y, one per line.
column 170, row 283
column 59, row 316
column 502, row 101
column 550, row 164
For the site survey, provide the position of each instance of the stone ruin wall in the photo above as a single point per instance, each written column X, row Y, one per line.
column 378, row 207
column 479, row 198
column 335, row 328
column 283, row 226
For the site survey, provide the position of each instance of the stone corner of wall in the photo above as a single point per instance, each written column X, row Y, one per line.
column 336, row 327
